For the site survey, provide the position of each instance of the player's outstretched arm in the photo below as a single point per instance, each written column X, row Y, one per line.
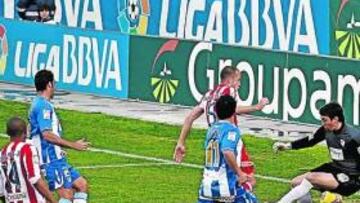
column 79, row 145
column 305, row 142
column 281, row 146
column 179, row 152
column 248, row 109
column 42, row 187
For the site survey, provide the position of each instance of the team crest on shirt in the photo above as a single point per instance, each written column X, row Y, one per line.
column 342, row 143
column 342, row 177
column 358, row 149
column 47, row 114
column 231, row 136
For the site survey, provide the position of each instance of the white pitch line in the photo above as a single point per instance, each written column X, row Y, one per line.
column 169, row 162
column 122, row 165
column 128, row 155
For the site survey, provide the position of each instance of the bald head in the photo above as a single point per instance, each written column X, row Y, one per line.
column 16, row 127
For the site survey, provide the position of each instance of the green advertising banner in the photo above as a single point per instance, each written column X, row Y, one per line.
column 345, row 28
column 180, row 72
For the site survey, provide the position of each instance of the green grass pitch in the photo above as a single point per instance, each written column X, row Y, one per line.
column 115, row 177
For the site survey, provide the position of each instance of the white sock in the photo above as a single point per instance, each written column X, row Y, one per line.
column 63, row 200
column 305, row 199
column 80, row 197
column 297, row 192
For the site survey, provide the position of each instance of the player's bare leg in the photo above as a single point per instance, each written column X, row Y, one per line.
column 81, row 187
column 318, row 179
column 304, row 183
column 65, row 195
column 298, row 179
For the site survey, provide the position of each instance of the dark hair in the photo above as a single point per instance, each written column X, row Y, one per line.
column 226, row 72
column 225, row 107
column 44, row 7
column 331, row 110
column 42, row 79
column 15, row 127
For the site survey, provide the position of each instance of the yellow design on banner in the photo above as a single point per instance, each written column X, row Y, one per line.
column 143, row 23
column 349, row 44
column 164, row 89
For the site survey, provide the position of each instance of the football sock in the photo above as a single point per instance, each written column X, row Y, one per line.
column 80, row 197
column 297, row 192
column 63, row 200
column 305, row 199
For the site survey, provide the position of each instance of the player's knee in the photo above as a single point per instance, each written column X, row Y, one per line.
column 294, row 182
column 312, row 178
column 65, row 194
column 81, row 185
column 252, row 181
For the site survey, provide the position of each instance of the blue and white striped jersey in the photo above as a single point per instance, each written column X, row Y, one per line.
column 42, row 117
column 219, row 180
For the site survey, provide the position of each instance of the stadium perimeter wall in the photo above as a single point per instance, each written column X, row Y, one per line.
column 181, row 71
column 306, row 26
column 83, row 60
column 176, row 71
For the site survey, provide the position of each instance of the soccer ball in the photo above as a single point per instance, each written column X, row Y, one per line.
column 328, row 197
column 133, row 9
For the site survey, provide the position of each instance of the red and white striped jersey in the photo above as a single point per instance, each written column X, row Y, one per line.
column 208, row 101
column 20, row 170
column 208, row 104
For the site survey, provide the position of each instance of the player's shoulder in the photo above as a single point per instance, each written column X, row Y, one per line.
column 353, row 132
column 230, row 127
column 41, row 103
column 27, row 148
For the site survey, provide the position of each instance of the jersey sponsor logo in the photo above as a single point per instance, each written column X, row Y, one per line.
column 231, row 136
column 342, row 177
column 16, row 197
column 47, row 114
column 336, row 154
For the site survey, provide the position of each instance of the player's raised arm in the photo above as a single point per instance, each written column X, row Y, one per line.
column 179, row 152
column 79, row 145
column 308, row 141
column 248, row 109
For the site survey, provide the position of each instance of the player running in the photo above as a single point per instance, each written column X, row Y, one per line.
column 342, row 175
column 222, row 177
column 46, row 135
column 20, row 179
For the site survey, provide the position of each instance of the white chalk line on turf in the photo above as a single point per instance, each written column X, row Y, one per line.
column 169, row 162
column 122, row 154
column 122, row 165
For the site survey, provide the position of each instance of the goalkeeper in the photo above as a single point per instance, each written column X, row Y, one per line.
column 342, row 174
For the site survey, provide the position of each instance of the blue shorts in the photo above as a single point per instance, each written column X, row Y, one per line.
column 60, row 174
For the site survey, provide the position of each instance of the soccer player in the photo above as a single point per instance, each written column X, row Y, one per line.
column 20, row 179
column 46, row 136
column 230, row 83
column 222, row 176
column 342, row 174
